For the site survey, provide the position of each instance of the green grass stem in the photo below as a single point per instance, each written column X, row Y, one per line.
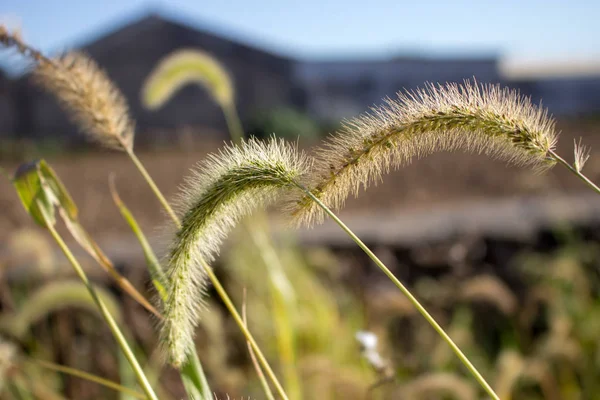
column 118, row 335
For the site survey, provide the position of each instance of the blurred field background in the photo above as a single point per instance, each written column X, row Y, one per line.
column 507, row 259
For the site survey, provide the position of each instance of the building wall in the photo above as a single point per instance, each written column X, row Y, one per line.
column 563, row 96
column 6, row 107
column 342, row 89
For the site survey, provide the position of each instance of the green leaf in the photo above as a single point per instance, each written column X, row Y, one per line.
column 29, row 187
column 64, row 200
column 156, row 273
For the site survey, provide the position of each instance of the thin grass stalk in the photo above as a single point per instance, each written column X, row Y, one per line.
column 240, row 322
column 19, row 388
column 574, row 170
column 155, row 189
column 118, row 335
column 409, row 295
column 193, row 369
column 156, row 273
column 257, row 368
column 234, row 125
column 88, row 377
column 38, row 389
column 279, row 289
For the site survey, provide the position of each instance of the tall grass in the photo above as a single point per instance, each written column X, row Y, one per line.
column 249, row 174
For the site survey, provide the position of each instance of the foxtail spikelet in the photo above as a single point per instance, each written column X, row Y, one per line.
column 581, row 153
column 90, row 98
column 482, row 118
column 182, row 67
column 225, row 187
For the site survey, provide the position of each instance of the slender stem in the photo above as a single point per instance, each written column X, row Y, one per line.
column 122, row 342
column 409, row 295
column 240, row 322
column 154, row 188
column 89, row 377
column 584, row 178
column 193, row 377
column 280, row 292
column 233, row 123
column 257, row 368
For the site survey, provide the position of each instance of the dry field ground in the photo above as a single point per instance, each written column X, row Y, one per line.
column 438, row 180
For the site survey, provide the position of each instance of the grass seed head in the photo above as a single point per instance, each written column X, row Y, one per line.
column 181, row 68
column 223, row 189
column 90, row 98
column 480, row 118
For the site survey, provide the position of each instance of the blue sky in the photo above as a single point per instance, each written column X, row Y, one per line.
column 519, row 30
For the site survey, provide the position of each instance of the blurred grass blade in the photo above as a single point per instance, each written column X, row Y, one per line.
column 181, row 68
column 126, row 377
column 89, row 377
column 283, row 304
column 88, row 244
column 52, row 297
column 39, row 186
column 18, row 388
column 154, row 267
column 194, row 380
column 257, row 368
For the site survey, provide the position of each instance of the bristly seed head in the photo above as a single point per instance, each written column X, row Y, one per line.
column 581, row 154
column 90, row 98
column 225, row 187
column 187, row 66
column 481, row 118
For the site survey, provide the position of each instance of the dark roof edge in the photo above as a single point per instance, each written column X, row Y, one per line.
column 144, row 19
column 157, row 15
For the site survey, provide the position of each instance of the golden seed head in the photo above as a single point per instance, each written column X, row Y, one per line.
column 90, row 98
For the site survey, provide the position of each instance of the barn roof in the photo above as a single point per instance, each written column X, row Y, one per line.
column 154, row 23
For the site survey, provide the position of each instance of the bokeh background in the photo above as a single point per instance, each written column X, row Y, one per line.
column 508, row 259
